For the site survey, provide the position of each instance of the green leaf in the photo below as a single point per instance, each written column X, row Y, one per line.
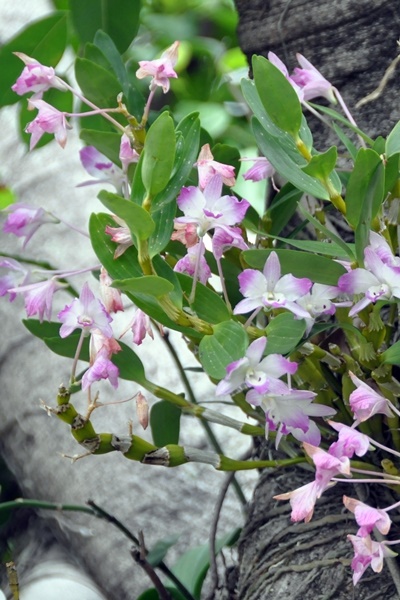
column 123, row 267
column 272, row 149
column 106, row 142
column 107, row 46
column 374, row 196
column 321, row 165
column 7, row 197
column 284, row 332
column 393, row 141
column 367, row 162
column 159, row 154
column 346, row 141
column 283, row 207
column 160, row 549
column 118, row 18
column 301, row 264
column 391, row 356
column 163, row 208
column 165, row 423
column 315, row 247
column 228, row 343
column 97, row 84
column 208, row 305
column 43, row 40
column 192, row 567
column 152, row 594
column 347, row 248
column 277, row 95
column 140, row 223
column 149, row 284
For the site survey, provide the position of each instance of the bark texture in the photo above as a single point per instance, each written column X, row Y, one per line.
column 351, row 43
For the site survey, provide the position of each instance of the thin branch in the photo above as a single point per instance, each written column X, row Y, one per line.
column 139, row 556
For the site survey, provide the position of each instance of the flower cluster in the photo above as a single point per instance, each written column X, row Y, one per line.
column 292, row 394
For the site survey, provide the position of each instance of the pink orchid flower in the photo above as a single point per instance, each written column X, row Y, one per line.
column 24, row 220
column 367, row 553
column 311, row 82
column 38, row 297
column 120, row 235
column 378, row 281
column 188, row 263
column 223, row 240
column 288, row 411
column 350, row 441
column 35, row 78
column 100, row 168
column 303, row 499
column 141, row 326
column 208, row 167
column 207, row 209
column 86, row 313
column 111, row 297
column 255, row 371
column 366, row 402
column 269, row 290
column 127, row 154
column 160, row 70
column 48, row 120
column 261, row 169
column 367, row 517
column 16, row 274
column 101, row 367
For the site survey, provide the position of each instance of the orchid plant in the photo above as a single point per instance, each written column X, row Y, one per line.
column 256, row 299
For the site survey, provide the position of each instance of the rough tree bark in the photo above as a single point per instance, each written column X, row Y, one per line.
column 353, row 44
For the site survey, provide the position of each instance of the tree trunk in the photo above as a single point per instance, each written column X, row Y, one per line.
column 352, row 44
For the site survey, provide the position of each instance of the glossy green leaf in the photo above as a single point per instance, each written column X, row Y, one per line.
column 165, row 423
column 283, row 207
column 163, row 209
column 393, row 141
column 192, row 567
column 315, row 247
column 272, row 149
column 321, row 165
column 149, row 284
column 118, row 18
column 284, row 332
column 152, row 594
column 43, row 40
column 163, row 269
column 109, row 49
column 346, row 141
column 106, row 142
column 367, row 162
column 159, row 154
column 286, row 141
column 7, row 197
column 277, row 95
column 346, row 248
column 391, row 356
column 97, row 84
column 158, row 552
column 373, row 198
column 301, row 264
column 137, row 218
column 122, row 267
column 207, row 304
column 228, row 343
column 49, row 332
